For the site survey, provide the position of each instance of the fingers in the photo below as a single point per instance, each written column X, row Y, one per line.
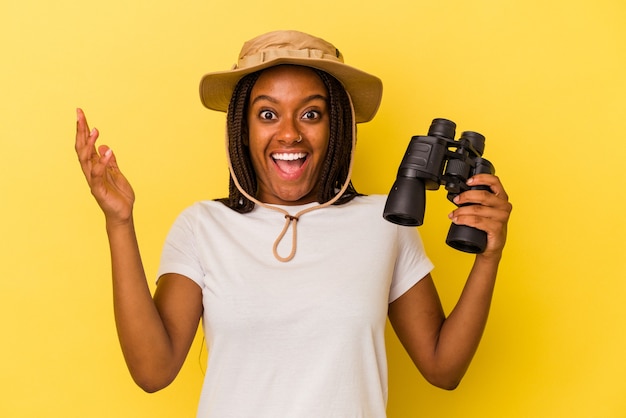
column 489, row 180
column 496, row 198
column 85, row 140
column 92, row 161
column 100, row 163
column 482, row 217
column 485, row 210
column 83, row 133
column 108, row 157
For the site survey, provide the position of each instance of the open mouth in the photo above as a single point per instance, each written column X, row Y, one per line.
column 289, row 162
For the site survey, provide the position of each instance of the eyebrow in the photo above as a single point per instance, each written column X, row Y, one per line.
column 305, row 100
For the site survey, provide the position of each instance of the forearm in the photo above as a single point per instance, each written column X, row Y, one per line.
column 143, row 337
column 462, row 330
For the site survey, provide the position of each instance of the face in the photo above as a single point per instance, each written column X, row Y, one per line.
column 289, row 128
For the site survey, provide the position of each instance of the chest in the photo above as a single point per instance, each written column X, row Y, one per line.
column 340, row 278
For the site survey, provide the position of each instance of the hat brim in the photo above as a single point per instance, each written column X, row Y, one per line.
column 364, row 89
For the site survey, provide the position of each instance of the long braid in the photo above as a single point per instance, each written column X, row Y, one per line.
column 237, row 126
column 336, row 165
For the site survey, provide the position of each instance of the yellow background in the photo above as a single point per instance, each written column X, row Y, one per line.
column 543, row 80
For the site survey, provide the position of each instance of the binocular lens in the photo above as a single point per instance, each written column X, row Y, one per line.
column 467, row 239
column 406, row 202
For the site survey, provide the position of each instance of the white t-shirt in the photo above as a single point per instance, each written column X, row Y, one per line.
column 303, row 338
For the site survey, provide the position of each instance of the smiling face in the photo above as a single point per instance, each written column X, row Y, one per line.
column 289, row 128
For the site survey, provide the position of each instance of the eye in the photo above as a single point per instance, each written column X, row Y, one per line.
column 267, row 114
column 311, row 115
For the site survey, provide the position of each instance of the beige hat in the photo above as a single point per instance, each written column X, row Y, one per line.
column 292, row 47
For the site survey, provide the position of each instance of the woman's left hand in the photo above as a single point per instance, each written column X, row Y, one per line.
column 484, row 210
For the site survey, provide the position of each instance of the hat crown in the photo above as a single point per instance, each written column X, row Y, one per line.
column 290, row 43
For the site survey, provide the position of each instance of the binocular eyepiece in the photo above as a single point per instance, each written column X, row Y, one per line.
column 434, row 160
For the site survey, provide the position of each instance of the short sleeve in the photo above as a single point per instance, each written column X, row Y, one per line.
column 180, row 253
column 412, row 263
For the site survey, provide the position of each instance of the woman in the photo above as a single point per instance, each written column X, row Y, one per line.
column 300, row 332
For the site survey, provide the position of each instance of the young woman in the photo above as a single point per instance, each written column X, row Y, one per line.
column 295, row 272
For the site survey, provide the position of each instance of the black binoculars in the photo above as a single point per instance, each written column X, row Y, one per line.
column 434, row 160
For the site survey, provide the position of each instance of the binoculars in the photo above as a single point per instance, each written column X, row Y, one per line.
column 434, row 160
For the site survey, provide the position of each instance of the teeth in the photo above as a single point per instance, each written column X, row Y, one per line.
column 285, row 156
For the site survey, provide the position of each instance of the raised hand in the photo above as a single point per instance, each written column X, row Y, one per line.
column 108, row 185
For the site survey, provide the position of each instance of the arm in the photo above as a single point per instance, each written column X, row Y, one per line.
column 442, row 348
column 155, row 334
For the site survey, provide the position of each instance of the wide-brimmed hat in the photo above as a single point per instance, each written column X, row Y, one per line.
column 293, row 47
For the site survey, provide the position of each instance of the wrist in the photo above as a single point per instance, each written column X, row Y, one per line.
column 489, row 258
column 118, row 224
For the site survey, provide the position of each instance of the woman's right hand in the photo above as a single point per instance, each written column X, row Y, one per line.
column 108, row 185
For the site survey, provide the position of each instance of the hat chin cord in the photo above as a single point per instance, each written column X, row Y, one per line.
column 292, row 220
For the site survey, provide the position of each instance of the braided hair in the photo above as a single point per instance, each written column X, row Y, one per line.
column 335, row 167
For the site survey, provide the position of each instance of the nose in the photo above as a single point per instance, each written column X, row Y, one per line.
column 290, row 141
column 288, row 134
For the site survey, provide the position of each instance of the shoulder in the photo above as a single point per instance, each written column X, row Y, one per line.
column 204, row 212
column 207, row 207
column 362, row 212
column 371, row 204
column 372, row 201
